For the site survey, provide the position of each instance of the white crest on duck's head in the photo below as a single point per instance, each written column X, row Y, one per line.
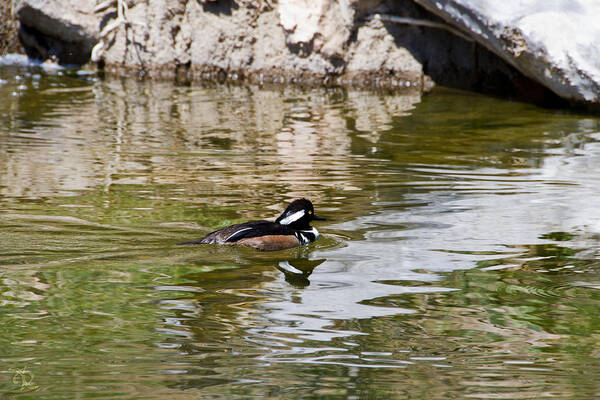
column 292, row 217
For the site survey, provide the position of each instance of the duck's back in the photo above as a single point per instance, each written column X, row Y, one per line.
column 233, row 233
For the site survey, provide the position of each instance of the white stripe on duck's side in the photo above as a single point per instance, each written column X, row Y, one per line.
column 303, row 239
column 314, row 231
column 235, row 233
column 305, row 236
column 292, row 217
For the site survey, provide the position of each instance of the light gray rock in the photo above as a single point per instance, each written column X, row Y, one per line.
column 322, row 26
column 67, row 29
column 375, row 50
column 556, row 43
column 298, row 40
column 319, row 42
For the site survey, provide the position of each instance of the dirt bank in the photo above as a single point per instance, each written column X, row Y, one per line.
column 9, row 41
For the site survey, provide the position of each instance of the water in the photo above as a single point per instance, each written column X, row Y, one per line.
column 459, row 258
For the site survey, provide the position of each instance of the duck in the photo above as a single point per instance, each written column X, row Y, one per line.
column 291, row 229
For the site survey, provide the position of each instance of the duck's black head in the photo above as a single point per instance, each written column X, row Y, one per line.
column 298, row 214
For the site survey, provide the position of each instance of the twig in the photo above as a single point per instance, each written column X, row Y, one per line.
column 122, row 11
column 103, row 6
column 420, row 22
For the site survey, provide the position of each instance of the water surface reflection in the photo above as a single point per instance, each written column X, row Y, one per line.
column 458, row 259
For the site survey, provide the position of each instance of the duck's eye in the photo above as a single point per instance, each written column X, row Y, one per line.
column 310, row 212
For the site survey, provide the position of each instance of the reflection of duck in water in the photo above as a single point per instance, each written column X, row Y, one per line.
column 297, row 271
column 291, row 229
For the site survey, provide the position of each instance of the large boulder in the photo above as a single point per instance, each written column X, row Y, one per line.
column 347, row 42
column 556, row 43
column 319, row 41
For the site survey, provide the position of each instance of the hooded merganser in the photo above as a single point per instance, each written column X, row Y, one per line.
column 291, row 229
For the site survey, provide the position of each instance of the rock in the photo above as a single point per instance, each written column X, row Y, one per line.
column 375, row 49
column 304, row 41
column 9, row 42
column 322, row 26
column 66, row 29
column 556, row 43
column 328, row 42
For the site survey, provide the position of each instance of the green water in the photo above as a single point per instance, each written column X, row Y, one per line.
column 459, row 258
